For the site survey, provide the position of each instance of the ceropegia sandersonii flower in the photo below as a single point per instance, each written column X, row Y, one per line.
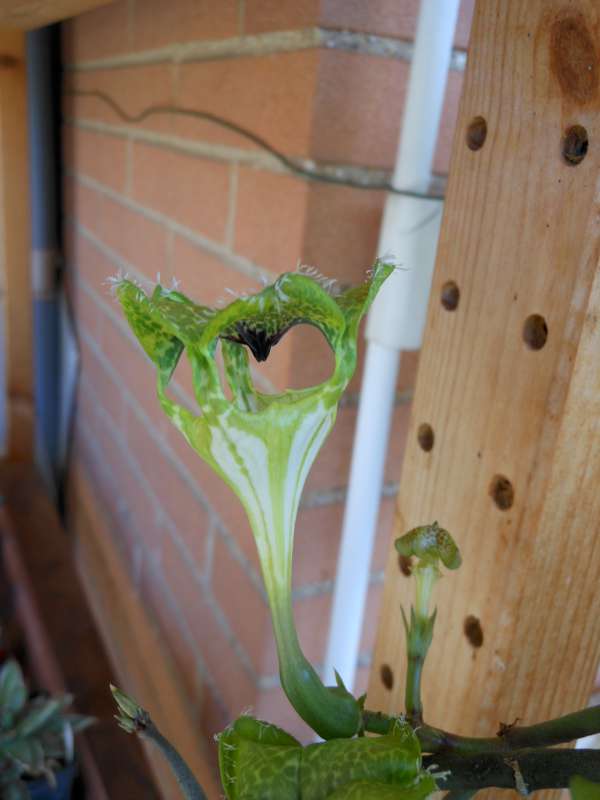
column 261, row 445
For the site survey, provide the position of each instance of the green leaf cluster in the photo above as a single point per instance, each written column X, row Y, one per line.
column 36, row 735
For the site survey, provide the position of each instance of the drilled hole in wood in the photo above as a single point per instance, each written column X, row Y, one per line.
column 387, row 676
column 575, row 145
column 476, row 133
column 405, row 565
column 473, row 631
column 535, row 332
column 450, row 296
column 502, row 492
column 425, row 437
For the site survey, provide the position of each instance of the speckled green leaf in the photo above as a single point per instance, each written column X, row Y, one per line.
column 259, row 761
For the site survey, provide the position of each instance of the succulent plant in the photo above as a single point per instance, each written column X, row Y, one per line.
column 36, row 735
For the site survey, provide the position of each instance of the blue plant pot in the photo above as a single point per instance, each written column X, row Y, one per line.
column 40, row 789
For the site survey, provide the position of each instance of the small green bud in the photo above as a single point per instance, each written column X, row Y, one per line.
column 132, row 717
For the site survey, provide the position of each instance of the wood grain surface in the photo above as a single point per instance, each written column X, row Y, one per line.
column 29, row 14
column 509, row 382
column 15, row 247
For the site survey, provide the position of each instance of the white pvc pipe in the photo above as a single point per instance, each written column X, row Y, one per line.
column 409, row 231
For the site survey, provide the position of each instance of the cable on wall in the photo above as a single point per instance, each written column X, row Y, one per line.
column 287, row 161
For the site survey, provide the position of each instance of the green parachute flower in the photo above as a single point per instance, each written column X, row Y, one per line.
column 261, row 445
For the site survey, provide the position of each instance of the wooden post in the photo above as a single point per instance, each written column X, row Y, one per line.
column 15, row 247
column 27, row 15
column 509, row 385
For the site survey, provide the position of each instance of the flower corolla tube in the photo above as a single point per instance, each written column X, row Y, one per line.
column 262, row 445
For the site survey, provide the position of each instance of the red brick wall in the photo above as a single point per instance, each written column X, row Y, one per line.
column 189, row 200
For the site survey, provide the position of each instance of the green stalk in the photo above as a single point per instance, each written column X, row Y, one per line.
column 561, row 730
column 419, row 634
column 190, row 788
column 332, row 712
column 535, row 769
column 132, row 718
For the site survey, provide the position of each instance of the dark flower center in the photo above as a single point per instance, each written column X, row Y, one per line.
column 258, row 340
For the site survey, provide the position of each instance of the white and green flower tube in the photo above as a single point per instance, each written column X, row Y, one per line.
column 262, row 445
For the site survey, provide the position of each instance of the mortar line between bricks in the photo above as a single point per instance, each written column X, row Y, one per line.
column 184, row 627
column 337, row 494
column 161, row 515
column 241, row 16
column 178, row 144
column 206, row 675
column 232, row 206
column 187, row 558
column 128, row 188
column 319, row 588
column 90, row 442
column 237, row 262
column 270, row 43
column 365, row 175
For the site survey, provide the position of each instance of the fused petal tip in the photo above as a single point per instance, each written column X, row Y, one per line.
column 430, row 543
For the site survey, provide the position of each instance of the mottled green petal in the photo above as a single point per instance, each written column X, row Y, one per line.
column 159, row 343
column 180, row 315
column 293, row 299
column 430, row 543
column 355, row 302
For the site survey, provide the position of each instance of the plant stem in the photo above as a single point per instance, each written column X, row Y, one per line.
column 516, row 769
column 412, row 696
column 556, row 731
column 419, row 633
column 190, row 787
column 333, row 714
